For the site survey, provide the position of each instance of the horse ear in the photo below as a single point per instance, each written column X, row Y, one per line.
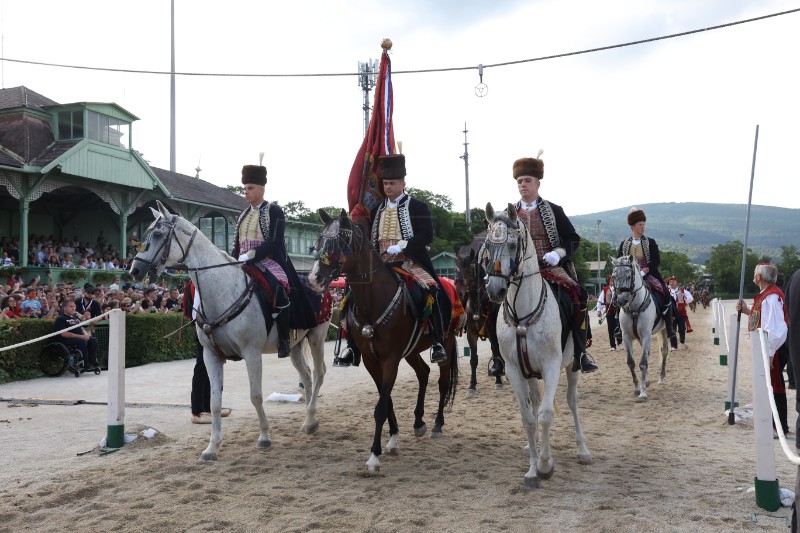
column 489, row 212
column 164, row 210
column 512, row 213
column 156, row 214
column 323, row 216
column 343, row 218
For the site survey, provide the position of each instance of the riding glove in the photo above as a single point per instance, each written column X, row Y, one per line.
column 394, row 249
column 244, row 257
column 552, row 258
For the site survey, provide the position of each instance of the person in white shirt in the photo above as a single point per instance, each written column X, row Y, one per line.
column 605, row 306
column 769, row 314
column 682, row 298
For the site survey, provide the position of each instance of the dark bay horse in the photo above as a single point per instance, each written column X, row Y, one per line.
column 476, row 303
column 380, row 322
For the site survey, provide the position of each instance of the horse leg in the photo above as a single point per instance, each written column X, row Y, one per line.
column 662, row 380
column 631, row 363
column 254, row 373
column 311, row 385
column 215, row 376
column 647, row 339
column 423, row 371
column 472, row 339
column 448, row 380
column 384, row 377
column 584, row 457
column 546, row 466
column 527, row 393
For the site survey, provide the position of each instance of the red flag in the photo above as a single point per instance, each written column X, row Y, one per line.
column 364, row 190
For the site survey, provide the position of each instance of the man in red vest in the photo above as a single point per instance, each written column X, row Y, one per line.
column 769, row 314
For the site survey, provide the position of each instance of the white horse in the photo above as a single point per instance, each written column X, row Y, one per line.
column 639, row 319
column 530, row 336
column 234, row 322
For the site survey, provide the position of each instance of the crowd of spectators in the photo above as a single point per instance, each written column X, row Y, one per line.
column 49, row 252
column 36, row 300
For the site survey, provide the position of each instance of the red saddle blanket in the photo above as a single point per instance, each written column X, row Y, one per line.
column 449, row 287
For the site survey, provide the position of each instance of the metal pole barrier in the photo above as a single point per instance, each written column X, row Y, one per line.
column 731, row 417
column 115, row 437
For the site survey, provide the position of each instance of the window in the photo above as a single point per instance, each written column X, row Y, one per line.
column 70, row 125
column 217, row 230
column 109, row 130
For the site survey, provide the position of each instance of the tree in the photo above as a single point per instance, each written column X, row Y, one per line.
column 296, row 210
column 725, row 266
column 790, row 260
column 236, row 189
column 678, row 265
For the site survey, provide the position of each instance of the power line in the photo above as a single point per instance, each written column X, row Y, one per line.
column 420, row 71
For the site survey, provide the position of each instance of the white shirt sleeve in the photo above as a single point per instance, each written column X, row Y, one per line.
column 772, row 322
column 688, row 296
column 601, row 301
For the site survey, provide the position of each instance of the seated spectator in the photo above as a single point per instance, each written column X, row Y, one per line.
column 54, row 261
column 67, row 263
column 6, row 261
column 10, row 307
column 173, row 302
column 114, row 287
column 31, row 307
column 87, row 305
column 77, row 337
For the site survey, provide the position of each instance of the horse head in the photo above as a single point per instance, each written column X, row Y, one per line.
column 470, row 283
column 156, row 251
column 337, row 248
column 627, row 277
column 504, row 250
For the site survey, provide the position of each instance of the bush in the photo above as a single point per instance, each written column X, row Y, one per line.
column 144, row 343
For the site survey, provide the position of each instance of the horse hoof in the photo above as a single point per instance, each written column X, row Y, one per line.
column 420, row 431
column 471, row 393
column 531, row 482
column 546, row 475
column 310, row 429
column 662, row 381
column 437, row 433
column 208, row 456
column 498, row 385
column 264, row 444
column 392, row 451
column 642, row 399
column 584, row 459
column 373, row 463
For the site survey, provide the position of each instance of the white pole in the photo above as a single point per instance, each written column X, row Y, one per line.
column 731, row 378
column 767, row 490
column 115, row 437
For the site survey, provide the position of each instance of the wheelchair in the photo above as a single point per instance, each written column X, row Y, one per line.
column 56, row 358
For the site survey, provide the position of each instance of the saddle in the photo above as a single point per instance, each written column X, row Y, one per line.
column 421, row 299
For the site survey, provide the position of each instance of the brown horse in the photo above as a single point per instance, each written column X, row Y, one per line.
column 476, row 304
column 381, row 323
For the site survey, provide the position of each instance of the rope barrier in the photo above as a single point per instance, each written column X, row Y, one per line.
column 791, row 455
column 59, row 332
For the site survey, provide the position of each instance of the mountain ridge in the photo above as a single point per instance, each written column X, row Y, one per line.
column 693, row 228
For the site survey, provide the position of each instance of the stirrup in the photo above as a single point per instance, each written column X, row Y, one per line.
column 585, row 364
column 438, row 355
column 345, row 359
column 497, row 367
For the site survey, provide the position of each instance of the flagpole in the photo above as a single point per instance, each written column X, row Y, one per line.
column 731, row 417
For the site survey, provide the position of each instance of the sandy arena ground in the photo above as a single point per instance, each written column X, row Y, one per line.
column 671, row 464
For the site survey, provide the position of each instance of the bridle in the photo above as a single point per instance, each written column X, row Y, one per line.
column 630, row 287
column 163, row 251
column 335, row 247
column 498, row 238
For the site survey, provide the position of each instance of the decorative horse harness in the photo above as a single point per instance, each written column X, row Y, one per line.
column 630, row 287
column 335, row 246
column 497, row 240
column 207, row 326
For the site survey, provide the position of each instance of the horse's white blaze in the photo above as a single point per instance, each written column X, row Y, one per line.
column 245, row 335
column 543, row 340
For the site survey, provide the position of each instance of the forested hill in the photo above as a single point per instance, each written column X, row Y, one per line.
column 702, row 226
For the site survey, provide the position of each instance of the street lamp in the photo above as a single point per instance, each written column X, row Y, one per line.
column 368, row 76
column 598, row 254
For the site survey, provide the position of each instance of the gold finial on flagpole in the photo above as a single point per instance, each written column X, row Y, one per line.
column 386, row 44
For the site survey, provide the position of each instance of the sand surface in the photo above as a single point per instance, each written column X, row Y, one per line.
column 670, row 464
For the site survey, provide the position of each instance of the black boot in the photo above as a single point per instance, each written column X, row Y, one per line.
column 351, row 356
column 438, row 355
column 583, row 361
column 498, row 367
column 282, row 323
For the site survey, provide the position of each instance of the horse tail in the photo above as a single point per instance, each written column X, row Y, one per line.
column 451, row 389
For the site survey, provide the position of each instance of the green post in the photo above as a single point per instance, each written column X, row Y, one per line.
column 467, row 351
column 115, row 437
column 768, row 495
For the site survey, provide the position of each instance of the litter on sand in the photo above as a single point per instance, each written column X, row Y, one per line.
column 148, row 433
column 282, row 397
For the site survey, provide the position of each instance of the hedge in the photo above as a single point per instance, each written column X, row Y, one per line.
column 144, row 343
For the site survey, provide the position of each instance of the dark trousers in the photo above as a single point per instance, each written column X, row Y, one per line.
column 201, row 386
column 87, row 348
column 614, row 333
column 680, row 325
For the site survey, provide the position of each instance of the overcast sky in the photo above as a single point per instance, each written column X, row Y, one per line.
column 667, row 121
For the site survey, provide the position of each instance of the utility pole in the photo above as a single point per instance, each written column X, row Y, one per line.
column 598, row 254
column 465, row 157
column 172, row 92
column 368, row 75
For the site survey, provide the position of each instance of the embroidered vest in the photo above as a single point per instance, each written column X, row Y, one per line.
column 627, row 246
column 755, row 314
column 546, row 237
column 263, row 224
